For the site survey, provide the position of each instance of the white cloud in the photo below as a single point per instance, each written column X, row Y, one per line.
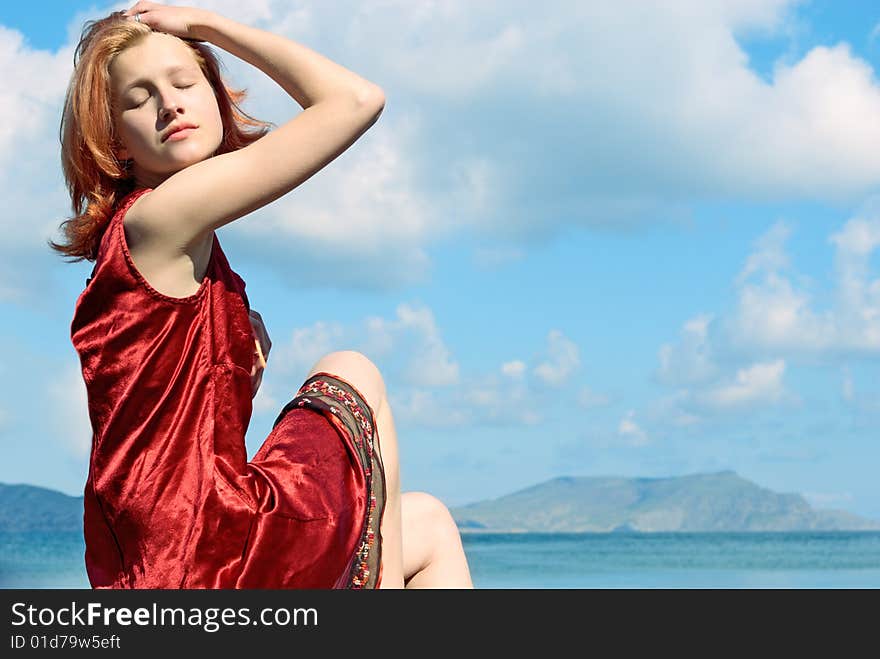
column 68, row 411
column 777, row 313
column 514, row 369
column 412, row 339
column 753, row 387
column 414, row 334
column 431, row 364
column 495, row 401
column 676, row 409
column 483, row 402
column 563, row 358
column 475, row 181
column 255, row 11
column 675, row 107
column 769, row 254
column 362, row 196
column 588, row 398
column 265, row 400
column 776, row 321
column 690, row 361
column 712, row 125
column 426, row 409
column 429, row 361
column 860, row 236
column 34, row 83
column 684, row 419
column 861, row 397
column 425, row 385
column 760, row 383
column 305, row 346
column 858, row 304
column 631, row 432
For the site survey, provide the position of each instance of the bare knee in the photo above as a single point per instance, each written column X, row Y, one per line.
column 428, row 527
column 356, row 369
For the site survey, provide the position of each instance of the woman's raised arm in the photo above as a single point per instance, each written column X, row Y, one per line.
column 338, row 107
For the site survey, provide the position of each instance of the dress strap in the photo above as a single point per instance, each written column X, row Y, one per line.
column 126, row 202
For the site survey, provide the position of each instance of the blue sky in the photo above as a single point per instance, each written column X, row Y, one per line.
column 581, row 240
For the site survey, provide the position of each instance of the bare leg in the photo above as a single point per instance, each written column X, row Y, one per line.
column 433, row 556
column 390, row 529
column 421, row 545
column 364, row 375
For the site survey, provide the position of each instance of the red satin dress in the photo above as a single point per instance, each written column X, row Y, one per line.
column 171, row 500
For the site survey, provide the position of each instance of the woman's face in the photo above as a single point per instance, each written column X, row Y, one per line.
column 157, row 85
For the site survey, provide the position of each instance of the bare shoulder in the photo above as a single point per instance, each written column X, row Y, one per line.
column 171, row 266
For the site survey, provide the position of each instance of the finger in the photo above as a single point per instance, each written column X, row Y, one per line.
column 140, row 15
column 140, row 10
column 135, row 8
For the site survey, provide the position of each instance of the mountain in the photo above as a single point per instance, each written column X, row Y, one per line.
column 31, row 508
column 721, row 501
column 700, row 502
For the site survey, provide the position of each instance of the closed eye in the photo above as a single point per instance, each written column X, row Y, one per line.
column 148, row 98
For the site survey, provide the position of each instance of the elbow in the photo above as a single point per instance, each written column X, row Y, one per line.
column 372, row 97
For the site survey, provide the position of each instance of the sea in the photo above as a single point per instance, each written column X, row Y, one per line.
column 567, row 560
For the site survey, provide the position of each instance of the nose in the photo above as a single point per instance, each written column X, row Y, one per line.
column 171, row 106
column 169, row 112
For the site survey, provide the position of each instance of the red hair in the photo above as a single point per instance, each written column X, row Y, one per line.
column 95, row 177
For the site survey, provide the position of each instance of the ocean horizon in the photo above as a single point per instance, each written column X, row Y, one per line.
column 813, row 559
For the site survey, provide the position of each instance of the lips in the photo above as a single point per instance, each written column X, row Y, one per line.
column 176, row 128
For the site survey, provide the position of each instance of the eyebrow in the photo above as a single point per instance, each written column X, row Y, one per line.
column 169, row 70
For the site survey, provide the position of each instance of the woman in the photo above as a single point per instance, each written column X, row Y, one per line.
column 171, row 352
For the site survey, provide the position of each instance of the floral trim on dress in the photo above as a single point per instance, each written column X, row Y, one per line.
column 342, row 403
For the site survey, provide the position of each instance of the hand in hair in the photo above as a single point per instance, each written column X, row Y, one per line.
column 182, row 22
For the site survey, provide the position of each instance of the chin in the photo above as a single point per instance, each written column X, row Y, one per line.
column 183, row 163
